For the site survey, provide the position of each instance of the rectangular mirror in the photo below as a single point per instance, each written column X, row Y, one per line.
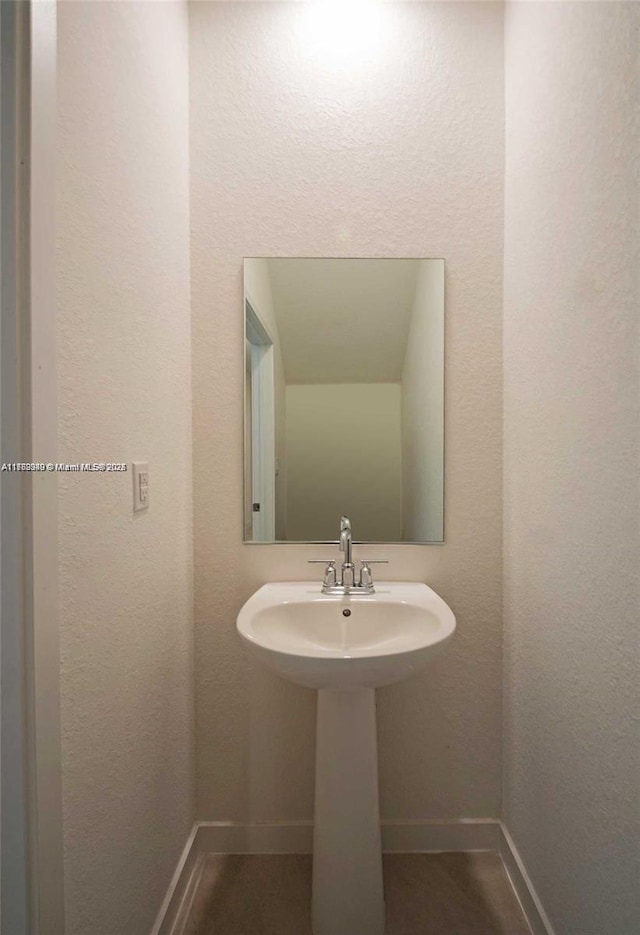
column 344, row 399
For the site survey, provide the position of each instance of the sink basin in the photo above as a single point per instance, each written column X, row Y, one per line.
column 354, row 641
column 346, row 646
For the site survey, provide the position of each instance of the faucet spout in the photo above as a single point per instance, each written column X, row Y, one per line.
column 345, row 539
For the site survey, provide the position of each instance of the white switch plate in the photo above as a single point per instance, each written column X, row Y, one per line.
column 140, row 485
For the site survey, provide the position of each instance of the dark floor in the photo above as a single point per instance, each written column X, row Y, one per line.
column 425, row 894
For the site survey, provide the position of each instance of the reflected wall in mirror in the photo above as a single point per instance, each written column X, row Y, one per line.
column 344, row 399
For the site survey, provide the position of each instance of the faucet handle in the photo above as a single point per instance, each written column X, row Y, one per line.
column 366, row 578
column 330, row 575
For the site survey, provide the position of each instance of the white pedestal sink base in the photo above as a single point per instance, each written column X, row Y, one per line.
column 348, row 896
column 346, row 646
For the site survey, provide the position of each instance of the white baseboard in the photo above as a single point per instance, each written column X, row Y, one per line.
column 267, row 837
column 461, row 834
column 177, row 902
column 296, row 837
column 522, row 885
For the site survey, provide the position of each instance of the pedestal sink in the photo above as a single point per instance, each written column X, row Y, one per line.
column 346, row 646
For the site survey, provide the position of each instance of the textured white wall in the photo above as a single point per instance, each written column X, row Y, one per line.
column 423, row 410
column 124, row 393
column 571, row 391
column 403, row 157
column 344, row 455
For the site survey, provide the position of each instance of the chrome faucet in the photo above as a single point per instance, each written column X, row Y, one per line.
column 345, row 537
column 347, row 583
column 348, row 568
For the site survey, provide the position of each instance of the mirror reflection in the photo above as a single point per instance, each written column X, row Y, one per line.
column 344, row 399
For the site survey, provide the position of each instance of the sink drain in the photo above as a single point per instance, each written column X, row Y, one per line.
column 346, row 613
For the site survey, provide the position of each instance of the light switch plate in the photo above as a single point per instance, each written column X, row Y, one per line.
column 140, row 485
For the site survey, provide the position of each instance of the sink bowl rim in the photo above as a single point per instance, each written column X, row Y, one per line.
column 407, row 593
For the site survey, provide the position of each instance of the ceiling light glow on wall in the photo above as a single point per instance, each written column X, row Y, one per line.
column 342, row 34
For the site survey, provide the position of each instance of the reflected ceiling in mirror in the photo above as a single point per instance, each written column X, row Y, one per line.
column 344, row 399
